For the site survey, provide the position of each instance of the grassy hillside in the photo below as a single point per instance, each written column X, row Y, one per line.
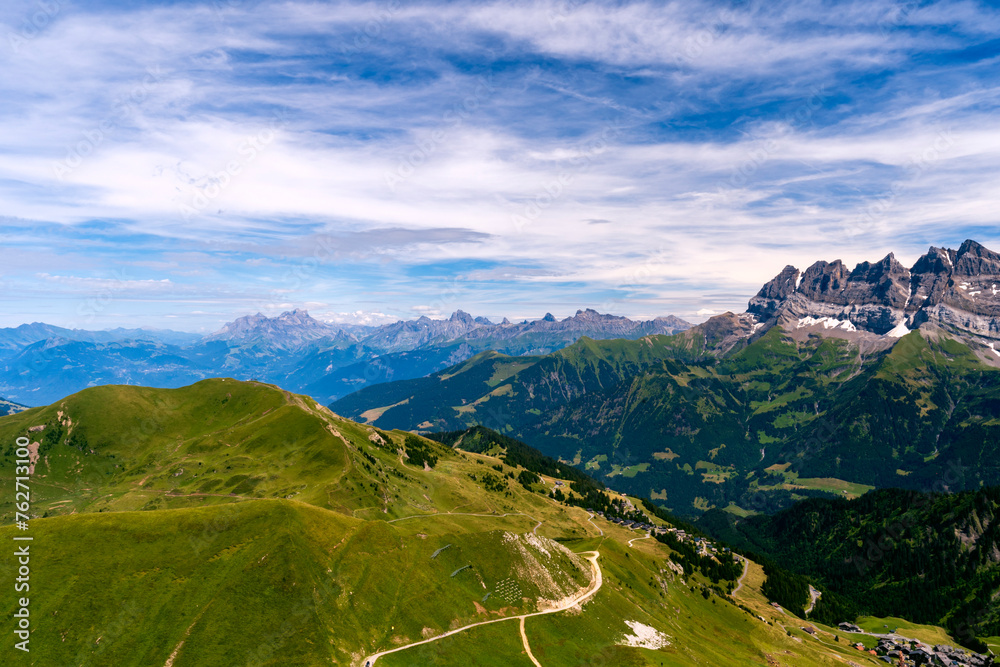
column 283, row 583
column 121, row 448
column 153, row 554
column 261, row 582
column 771, row 422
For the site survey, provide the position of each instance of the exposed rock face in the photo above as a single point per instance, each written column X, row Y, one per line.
column 288, row 330
column 773, row 294
column 955, row 289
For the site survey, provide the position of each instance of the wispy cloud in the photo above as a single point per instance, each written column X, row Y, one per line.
column 672, row 156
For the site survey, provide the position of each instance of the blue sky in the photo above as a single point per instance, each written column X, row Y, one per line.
column 177, row 164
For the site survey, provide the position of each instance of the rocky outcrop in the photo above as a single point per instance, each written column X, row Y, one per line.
column 773, row 294
column 958, row 290
column 287, row 331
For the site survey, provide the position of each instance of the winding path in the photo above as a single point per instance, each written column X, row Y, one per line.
column 496, row 516
column 644, row 537
column 527, row 646
column 814, row 596
column 739, row 583
column 597, row 580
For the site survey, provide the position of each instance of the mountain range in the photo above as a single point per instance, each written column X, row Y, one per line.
column 40, row 363
column 954, row 289
column 833, row 382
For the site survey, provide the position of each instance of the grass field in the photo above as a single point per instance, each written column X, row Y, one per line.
column 844, row 489
column 929, row 634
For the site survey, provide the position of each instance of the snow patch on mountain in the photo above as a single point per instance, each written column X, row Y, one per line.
column 644, row 637
column 827, row 322
column 899, row 330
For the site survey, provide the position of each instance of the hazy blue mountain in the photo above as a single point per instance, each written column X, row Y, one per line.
column 40, row 363
column 9, row 407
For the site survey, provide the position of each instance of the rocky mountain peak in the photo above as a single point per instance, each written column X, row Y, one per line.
column 973, row 260
column 288, row 329
column 937, row 260
column 774, row 292
column 959, row 290
column 461, row 316
column 824, row 281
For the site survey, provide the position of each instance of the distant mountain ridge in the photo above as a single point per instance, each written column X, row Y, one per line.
column 295, row 328
column 9, row 407
column 287, row 331
column 15, row 338
column 40, row 362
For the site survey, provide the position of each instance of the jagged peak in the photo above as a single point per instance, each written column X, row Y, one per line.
column 971, row 246
column 782, row 284
column 959, row 288
column 888, row 265
column 935, row 260
column 589, row 313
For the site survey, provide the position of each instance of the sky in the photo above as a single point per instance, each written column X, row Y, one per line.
column 180, row 164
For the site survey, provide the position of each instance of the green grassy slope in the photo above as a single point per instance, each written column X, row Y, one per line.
column 119, row 448
column 638, row 588
column 278, row 582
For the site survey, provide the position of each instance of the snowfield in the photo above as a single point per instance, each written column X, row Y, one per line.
column 644, row 637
